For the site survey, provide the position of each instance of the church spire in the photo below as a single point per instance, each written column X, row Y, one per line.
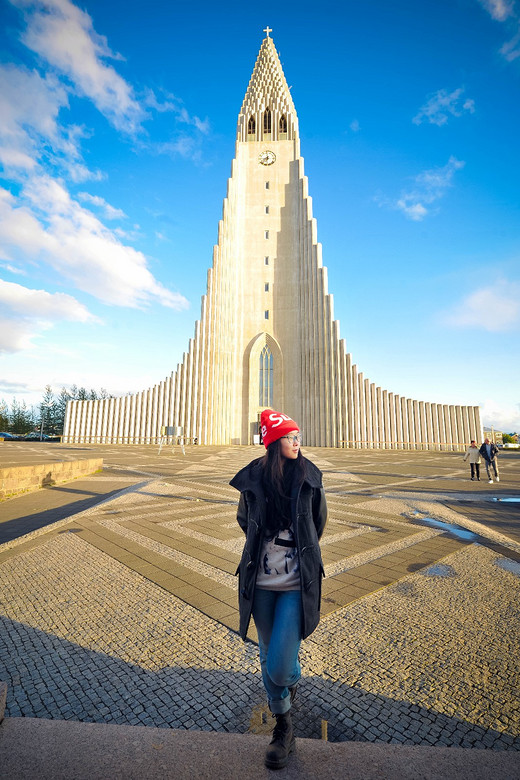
column 268, row 112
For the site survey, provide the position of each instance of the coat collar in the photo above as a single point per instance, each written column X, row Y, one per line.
column 250, row 477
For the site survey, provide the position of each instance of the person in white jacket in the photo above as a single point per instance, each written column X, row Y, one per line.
column 473, row 453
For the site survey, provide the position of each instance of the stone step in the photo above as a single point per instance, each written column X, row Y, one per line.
column 60, row 750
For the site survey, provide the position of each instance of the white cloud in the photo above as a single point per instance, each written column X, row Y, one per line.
column 12, row 387
column 40, row 303
column 183, row 145
column 355, row 126
column 27, row 313
column 500, row 10
column 495, row 308
column 175, row 104
column 12, row 269
column 16, row 335
column 31, row 135
column 506, row 11
column 109, row 211
column 29, row 107
column 64, row 35
column 430, row 186
column 21, row 235
column 505, row 418
column 436, row 180
column 50, row 226
column 511, row 49
column 441, row 104
column 30, row 104
column 201, row 125
column 414, row 211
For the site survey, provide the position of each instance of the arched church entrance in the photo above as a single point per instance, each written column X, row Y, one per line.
column 263, row 383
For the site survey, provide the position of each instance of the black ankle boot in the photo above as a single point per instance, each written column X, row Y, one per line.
column 281, row 744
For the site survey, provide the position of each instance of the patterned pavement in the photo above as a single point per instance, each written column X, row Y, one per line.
column 126, row 611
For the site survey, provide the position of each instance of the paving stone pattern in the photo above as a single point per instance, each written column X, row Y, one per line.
column 126, row 613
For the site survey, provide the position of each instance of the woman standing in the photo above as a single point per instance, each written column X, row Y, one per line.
column 473, row 454
column 282, row 511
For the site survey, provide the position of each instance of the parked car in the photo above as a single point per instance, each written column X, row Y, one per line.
column 9, row 436
column 35, row 436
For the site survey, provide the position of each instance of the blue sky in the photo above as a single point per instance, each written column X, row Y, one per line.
column 117, row 131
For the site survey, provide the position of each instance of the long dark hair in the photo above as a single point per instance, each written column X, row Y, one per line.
column 278, row 476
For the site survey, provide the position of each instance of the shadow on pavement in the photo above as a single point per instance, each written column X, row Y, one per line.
column 57, row 679
column 19, row 526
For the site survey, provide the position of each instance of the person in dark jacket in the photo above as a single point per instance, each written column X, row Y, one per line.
column 282, row 511
column 489, row 452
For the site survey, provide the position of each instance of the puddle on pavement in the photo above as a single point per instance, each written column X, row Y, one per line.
column 439, row 570
column 450, row 528
column 508, row 565
column 507, row 500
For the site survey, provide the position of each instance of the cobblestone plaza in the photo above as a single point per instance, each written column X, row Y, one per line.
column 126, row 612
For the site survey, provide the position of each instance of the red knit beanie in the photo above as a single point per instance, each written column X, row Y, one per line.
column 275, row 425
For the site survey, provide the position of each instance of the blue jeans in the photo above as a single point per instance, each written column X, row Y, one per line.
column 278, row 620
column 491, row 465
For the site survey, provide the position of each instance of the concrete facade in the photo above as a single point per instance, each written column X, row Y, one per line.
column 267, row 334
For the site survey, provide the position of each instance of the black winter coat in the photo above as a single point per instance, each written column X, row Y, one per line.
column 494, row 452
column 309, row 515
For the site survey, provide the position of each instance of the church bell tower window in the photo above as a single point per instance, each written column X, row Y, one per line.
column 282, row 128
column 251, row 128
column 267, row 122
column 265, row 397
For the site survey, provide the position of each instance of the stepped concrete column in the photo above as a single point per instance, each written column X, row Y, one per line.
column 417, row 426
column 460, row 428
column 453, row 426
column 362, row 410
column 429, row 425
column 380, row 422
column 446, row 425
column 411, row 431
column 398, row 422
column 386, row 401
column 355, row 396
column 435, row 427
column 369, row 413
column 422, row 421
column 404, row 423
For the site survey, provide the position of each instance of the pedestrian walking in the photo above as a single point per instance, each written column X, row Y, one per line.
column 282, row 511
column 473, row 454
column 489, row 452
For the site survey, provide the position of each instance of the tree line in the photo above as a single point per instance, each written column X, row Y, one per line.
column 20, row 418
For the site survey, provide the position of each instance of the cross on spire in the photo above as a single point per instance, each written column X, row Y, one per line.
column 268, row 30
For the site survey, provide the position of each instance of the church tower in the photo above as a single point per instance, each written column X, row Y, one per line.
column 267, row 335
column 267, row 319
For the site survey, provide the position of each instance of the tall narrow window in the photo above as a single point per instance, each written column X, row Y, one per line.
column 265, row 395
column 282, row 124
column 267, row 121
column 266, row 260
column 266, row 287
column 267, row 185
column 251, row 126
column 266, row 233
column 266, row 314
column 266, row 210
